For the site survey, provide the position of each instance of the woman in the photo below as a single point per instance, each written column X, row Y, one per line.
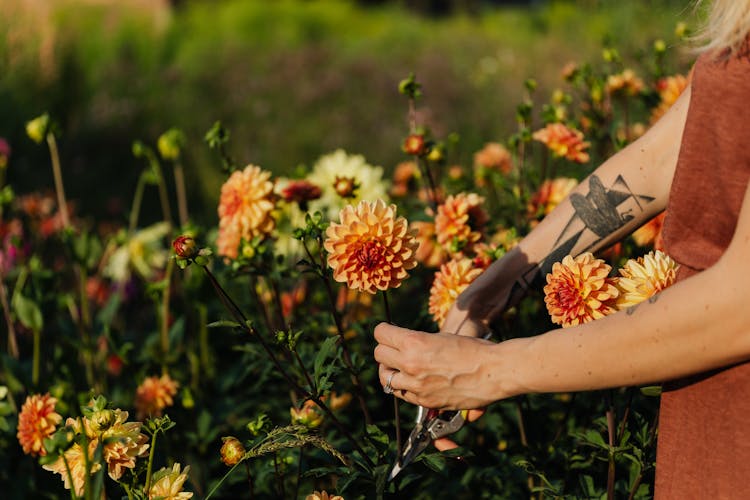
column 695, row 336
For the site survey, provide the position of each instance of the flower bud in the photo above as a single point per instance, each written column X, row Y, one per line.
column 232, row 451
column 37, row 128
column 170, row 144
column 659, row 46
column 414, row 145
column 102, row 420
column 185, row 247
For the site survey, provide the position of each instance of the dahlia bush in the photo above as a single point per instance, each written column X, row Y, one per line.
column 243, row 348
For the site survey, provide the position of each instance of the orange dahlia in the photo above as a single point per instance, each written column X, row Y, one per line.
column 36, row 422
column 625, row 83
column 564, row 142
column 549, row 195
column 579, row 290
column 494, row 156
column 405, row 177
column 245, row 208
column 371, row 248
column 644, row 277
column 452, row 279
column 154, row 394
column 123, row 444
column 429, row 253
column 650, row 233
column 669, row 88
column 460, row 220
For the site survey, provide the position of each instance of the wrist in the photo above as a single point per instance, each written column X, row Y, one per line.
column 511, row 360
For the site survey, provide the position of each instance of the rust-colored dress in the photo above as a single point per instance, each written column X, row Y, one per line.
column 703, row 449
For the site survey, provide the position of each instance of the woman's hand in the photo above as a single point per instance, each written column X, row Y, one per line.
column 439, row 371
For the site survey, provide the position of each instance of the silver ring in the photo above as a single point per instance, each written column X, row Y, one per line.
column 388, row 389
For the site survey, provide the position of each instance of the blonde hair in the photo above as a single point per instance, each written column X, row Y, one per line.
column 726, row 27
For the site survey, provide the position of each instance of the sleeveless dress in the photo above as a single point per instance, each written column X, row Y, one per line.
column 703, row 449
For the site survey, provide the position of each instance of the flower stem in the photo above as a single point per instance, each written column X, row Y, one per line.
column 165, row 315
column 150, row 467
column 250, row 480
column 182, row 208
column 396, row 414
column 611, row 441
column 37, row 355
column 57, row 173
column 137, row 201
column 12, row 340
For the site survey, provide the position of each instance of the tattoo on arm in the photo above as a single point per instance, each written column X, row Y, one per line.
column 597, row 215
column 630, row 310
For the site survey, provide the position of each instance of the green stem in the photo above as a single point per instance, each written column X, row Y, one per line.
column 84, row 325
column 250, row 480
column 137, row 201
column 73, row 495
column 36, row 359
column 611, row 441
column 149, row 468
column 12, row 340
column 165, row 316
column 57, row 173
column 396, row 413
column 162, row 185
column 182, row 208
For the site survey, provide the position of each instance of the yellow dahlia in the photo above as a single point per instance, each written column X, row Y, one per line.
column 452, row 279
column 371, row 248
column 123, row 444
column 669, row 88
column 644, row 277
column 579, row 290
column 459, row 221
column 154, row 394
column 564, row 142
column 245, row 208
column 323, row 495
column 36, row 422
column 76, row 463
column 168, row 484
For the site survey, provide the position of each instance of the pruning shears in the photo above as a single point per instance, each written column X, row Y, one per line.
column 431, row 425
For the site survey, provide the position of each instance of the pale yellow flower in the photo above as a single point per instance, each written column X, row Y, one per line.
column 76, row 462
column 371, row 248
column 452, row 279
column 168, row 484
column 579, row 290
column 644, row 277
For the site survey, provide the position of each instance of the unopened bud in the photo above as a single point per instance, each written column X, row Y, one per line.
column 170, row 144
column 185, row 247
column 37, row 128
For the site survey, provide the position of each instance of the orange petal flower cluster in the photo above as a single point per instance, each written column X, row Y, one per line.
column 371, row 248
column 452, row 279
column 669, row 88
column 549, row 195
column 154, row 394
column 650, row 233
column 579, row 290
column 564, row 142
column 323, row 495
column 626, row 83
column 37, row 421
column 494, row 156
column 123, row 444
column 429, row 253
column 405, row 177
column 459, row 221
column 245, row 207
column 644, row 277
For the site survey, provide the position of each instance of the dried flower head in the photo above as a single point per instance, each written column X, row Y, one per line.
column 245, row 208
column 452, row 279
column 644, row 277
column 371, row 248
column 580, row 290
column 37, row 421
column 669, row 88
column 168, row 484
column 460, row 221
column 154, row 394
column 232, row 451
column 564, row 142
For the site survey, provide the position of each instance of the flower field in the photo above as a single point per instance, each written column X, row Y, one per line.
column 160, row 357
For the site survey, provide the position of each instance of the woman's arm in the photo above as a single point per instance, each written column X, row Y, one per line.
column 621, row 195
column 697, row 325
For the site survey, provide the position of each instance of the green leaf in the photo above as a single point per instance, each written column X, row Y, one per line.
column 28, row 312
column 651, row 390
column 328, row 346
column 223, row 324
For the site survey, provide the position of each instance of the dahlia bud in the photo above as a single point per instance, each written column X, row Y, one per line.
column 301, row 192
column 185, row 247
column 102, row 420
column 345, row 187
column 37, row 128
column 170, row 144
column 414, row 145
column 660, row 46
column 232, row 451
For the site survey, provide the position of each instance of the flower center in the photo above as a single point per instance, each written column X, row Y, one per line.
column 569, row 297
column 370, row 254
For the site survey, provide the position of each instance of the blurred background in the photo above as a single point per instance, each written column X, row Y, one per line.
column 291, row 79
